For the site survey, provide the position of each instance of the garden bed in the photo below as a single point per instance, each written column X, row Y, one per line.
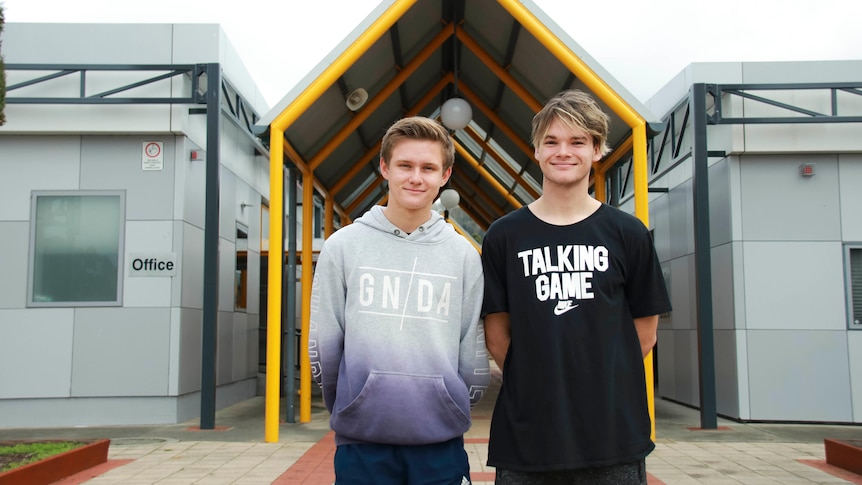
column 55, row 467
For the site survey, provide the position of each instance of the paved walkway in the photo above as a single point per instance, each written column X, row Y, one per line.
column 236, row 454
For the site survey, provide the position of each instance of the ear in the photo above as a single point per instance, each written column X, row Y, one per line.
column 446, row 174
column 597, row 154
column 384, row 169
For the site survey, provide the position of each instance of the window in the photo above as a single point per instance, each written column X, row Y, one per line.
column 75, row 248
column 240, row 286
column 853, row 273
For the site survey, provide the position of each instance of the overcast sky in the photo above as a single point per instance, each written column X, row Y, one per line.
column 642, row 44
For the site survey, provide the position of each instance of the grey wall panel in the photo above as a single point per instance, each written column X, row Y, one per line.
column 228, row 206
column 14, row 251
column 740, row 319
column 720, row 229
column 178, row 232
column 681, row 220
column 45, row 43
column 239, row 348
column 194, row 196
column 83, row 411
column 778, row 204
column 681, row 288
column 35, row 353
column 39, row 163
column 666, row 359
column 148, row 237
column 174, row 351
column 224, row 348
column 742, row 374
column 114, row 162
column 794, row 285
column 726, row 382
column 253, row 292
column 190, row 351
column 684, row 369
column 226, row 275
column 854, row 349
column 723, row 306
column 252, row 343
column 121, row 352
column 659, row 218
column 849, row 183
column 799, row 375
column 192, row 264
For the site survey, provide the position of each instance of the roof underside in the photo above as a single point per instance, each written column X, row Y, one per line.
column 436, row 50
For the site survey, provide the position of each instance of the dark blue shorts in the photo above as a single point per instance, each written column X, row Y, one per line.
column 438, row 464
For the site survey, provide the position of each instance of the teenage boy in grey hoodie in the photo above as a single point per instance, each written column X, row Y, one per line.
column 396, row 342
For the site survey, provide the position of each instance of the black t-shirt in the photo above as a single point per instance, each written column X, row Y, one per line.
column 573, row 392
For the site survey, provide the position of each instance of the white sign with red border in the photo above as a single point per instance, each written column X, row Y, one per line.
column 153, row 155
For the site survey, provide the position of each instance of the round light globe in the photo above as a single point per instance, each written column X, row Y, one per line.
column 450, row 198
column 456, row 113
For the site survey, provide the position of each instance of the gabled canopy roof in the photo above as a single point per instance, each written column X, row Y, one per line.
column 506, row 58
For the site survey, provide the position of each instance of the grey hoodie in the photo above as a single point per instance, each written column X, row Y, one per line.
column 396, row 342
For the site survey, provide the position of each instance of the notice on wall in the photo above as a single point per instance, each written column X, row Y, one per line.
column 153, row 155
column 152, row 264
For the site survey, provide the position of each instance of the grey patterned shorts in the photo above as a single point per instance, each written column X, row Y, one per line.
column 625, row 474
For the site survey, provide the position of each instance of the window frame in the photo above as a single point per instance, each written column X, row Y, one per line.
column 848, row 283
column 121, row 240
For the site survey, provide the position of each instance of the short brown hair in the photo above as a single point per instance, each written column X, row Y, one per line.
column 418, row 128
column 574, row 109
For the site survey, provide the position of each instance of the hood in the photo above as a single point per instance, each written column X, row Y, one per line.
column 435, row 229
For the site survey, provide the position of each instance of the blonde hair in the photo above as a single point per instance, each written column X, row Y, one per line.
column 574, row 109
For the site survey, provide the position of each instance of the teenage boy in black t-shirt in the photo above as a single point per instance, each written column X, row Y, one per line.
column 573, row 290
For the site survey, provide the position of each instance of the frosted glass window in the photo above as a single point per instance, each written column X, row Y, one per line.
column 76, row 248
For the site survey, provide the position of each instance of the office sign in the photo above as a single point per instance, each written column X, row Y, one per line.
column 152, row 264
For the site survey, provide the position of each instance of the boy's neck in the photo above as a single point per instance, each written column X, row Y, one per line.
column 564, row 207
column 406, row 220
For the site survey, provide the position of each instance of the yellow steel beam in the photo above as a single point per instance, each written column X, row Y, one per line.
column 460, row 230
column 335, row 70
column 476, row 101
column 297, row 160
column 380, row 98
column 574, row 63
column 487, row 176
column 501, row 73
column 474, row 209
column 502, row 162
column 307, row 274
column 273, row 300
column 482, row 195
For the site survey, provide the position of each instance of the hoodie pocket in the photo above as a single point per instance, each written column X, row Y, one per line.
column 402, row 409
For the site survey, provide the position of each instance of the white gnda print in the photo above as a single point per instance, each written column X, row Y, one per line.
column 564, row 273
column 406, row 295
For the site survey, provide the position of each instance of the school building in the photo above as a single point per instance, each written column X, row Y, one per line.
column 143, row 177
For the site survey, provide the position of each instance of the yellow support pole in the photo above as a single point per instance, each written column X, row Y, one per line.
column 307, row 274
column 273, row 297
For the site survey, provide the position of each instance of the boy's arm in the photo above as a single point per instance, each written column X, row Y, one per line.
column 498, row 335
column 646, row 328
column 326, row 329
column 473, row 356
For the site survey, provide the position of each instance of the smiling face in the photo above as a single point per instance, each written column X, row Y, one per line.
column 415, row 174
column 566, row 155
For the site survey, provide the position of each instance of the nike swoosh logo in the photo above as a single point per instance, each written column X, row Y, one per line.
column 563, row 307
